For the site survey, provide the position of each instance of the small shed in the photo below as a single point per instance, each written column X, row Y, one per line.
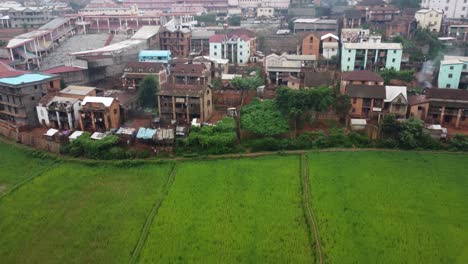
column 145, row 133
column 75, row 135
column 98, row 135
column 51, row 133
column 164, row 136
column 358, row 124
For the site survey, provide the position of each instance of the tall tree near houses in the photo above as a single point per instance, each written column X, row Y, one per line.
column 147, row 94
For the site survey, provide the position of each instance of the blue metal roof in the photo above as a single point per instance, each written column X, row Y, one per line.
column 146, row 133
column 154, row 53
column 25, row 78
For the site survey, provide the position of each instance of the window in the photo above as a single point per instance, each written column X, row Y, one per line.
column 208, row 103
column 240, row 61
column 450, row 75
column 448, row 86
column 465, row 66
column 240, row 46
column 349, row 59
column 354, row 110
column 240, row 53
column 115, row 111
column 451, row 67
column 216, row 53
column 419, row 108
column 32, row 98
column 354, row 100
column 35, row 87
column 393, row 60
column 215, row 46
column 394, row 52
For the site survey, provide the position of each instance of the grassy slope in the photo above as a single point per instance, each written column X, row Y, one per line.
column 394, row 207
column 17, row 166
column 230, row 211
column 79, row 214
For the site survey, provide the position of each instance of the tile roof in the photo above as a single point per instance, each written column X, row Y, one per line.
column 366, row 91
column 188, row 69
column 447, row 94
column 63, row 69
column 136, row 66
column 417, row 99
column 361, row 76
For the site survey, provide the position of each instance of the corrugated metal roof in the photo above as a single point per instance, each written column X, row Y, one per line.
column 154, row 53
column 25, row 78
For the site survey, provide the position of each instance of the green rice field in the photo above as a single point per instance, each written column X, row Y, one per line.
column 370, row 207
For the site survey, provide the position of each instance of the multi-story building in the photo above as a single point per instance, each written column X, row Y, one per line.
column 266, row 12
column 277, row 4
column 400, row 26
column 362, row 56
column 329, row 45
column 453, row 9
column 186, row 95
column 235, row 48
column 176, row 40
column 99, row 113
column 280, row 67
column 366, row 100
column 446, row 107
column 61, row 110
column 28, row 16
column 458, row 31
column 429, row 18
column 109, row 8
column 359, row 78
column 453, row 72
column 135, row 72
column 200, row 41
column 20, row 94
column 315, row 24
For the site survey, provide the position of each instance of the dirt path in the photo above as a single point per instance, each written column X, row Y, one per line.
column 305, row 190
column 149, row 220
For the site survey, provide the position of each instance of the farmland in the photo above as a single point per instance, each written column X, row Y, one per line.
column 391, row 207
column 385, row 207
column 227, row 211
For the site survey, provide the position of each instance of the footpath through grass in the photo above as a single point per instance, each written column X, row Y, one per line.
column 232, row 211
column 79, row 213
column 391, row 207
column 16, row 166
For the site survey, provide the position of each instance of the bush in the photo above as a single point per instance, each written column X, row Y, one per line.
column 459, row 142
column 144, row 154
column 93, row 149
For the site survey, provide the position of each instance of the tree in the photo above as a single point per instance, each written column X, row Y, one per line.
column 402, row 4
column 148, row 88
column 263, row 118
column 247, row 83
column 342, row 105
column 234, row 21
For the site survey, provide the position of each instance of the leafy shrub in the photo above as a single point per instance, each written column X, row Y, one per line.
column 144, row 154
column 93, row 149
column 459, row 142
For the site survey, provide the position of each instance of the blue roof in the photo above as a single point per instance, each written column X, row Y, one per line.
column 25, row 78
column 155, row 53
column 146, row 133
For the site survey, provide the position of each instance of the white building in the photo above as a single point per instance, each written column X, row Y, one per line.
column 277, row 4
column 451, row 8
column 329, row 45
column 430, row 19
column 265, row 12
column 59, row 112
column 234, row 48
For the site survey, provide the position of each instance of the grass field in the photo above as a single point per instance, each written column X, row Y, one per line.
column 370, row 207
column 16, row 166
column 391, row 207
column 232, row 211
column 79, row 214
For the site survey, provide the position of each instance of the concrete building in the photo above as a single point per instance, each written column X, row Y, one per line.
column 453, row 72
column 20, row 94
column 186, row 95
column 135, row 72
column 279, row 67
column 160, row 56
column 34, row 16
column 200, row 41
column 453, row 9
column 446, row 107
column 374, row 56
column 107, row 7
column 61, row 111
column 458, row 31
column 266, row 12
column 359, row 35
column 177, row 40
column 99, row 114
column 315, row 24
column 276, row 4
column 429, row 19
column 329, row 45
column 359, row 78
column 367, row 101
column 234, row 48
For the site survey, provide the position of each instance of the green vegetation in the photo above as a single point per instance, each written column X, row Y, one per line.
column 17, row 165
column 247, row 83
column 262, row 118
column 207, row 19
column 78, row 213
column 421, row 38
column 148, row 88
column 105, row 148
column 232, row 211
column 218, row 139
column 403, row 75
column 234, row 21
column 390, row 207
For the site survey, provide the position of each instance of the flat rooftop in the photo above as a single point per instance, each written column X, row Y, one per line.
column 25, row 78
column 77, row 90
column 367, row 45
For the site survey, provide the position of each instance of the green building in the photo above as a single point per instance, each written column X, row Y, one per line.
column 453, row 72
column 371, row 56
